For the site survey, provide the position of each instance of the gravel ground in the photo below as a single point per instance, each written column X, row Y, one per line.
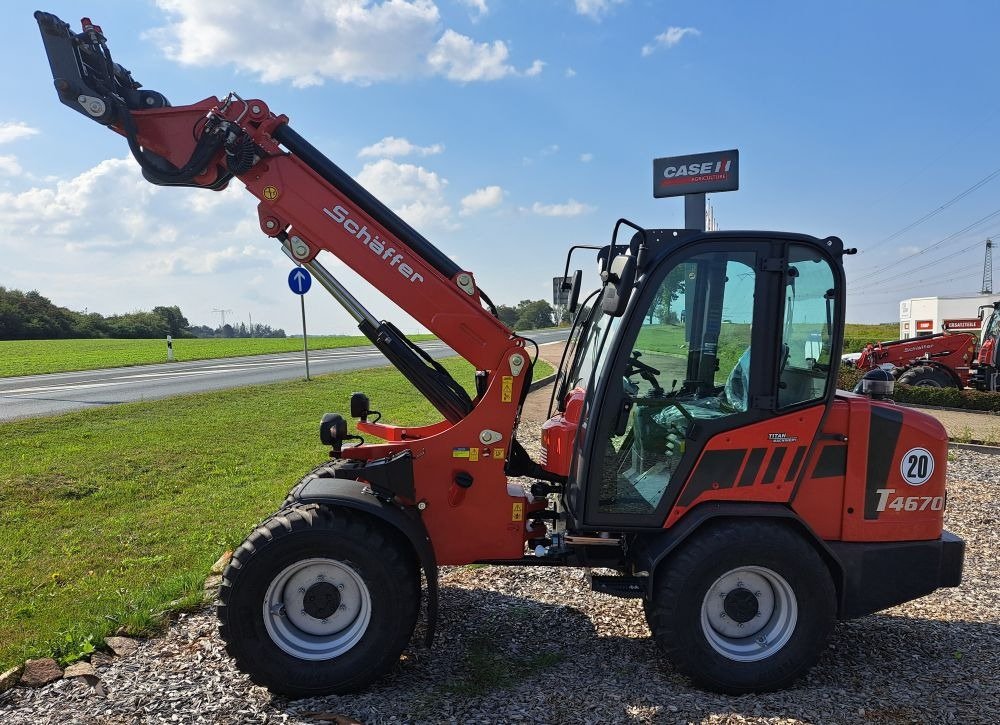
column 517, row 644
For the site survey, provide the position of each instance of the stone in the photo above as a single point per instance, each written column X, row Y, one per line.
column 100, row 660
column 38, row 673
column 80, row 669
column 10, row 678
column 122, row 646
column 213, row 582
column 220, row 566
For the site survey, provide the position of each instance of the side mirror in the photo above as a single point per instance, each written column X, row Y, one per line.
column 574, row 290
column 618, row 281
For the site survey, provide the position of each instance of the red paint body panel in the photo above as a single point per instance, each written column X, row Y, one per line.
column 795, row 430
column 819, row 498
column 559, row 434
column 917, row 430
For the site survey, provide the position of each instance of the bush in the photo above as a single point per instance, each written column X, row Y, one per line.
column 948, row 398
column 967, row 399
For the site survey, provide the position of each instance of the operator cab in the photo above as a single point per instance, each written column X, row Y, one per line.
column 692, row 335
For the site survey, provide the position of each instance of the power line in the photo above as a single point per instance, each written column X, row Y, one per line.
column 874, row 284
column 895, row 263
column 985, row 180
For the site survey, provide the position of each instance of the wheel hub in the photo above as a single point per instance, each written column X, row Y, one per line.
column 741, row 605
column 317, row 609
column 321, row 600
column 749, row 613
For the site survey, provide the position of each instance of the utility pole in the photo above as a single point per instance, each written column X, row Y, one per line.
column 223, row 314
column 988, row 269
column 250, row 315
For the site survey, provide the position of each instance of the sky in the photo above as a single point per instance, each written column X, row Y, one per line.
column 507, row 130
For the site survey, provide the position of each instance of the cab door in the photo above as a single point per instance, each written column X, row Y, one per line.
column 678, row 370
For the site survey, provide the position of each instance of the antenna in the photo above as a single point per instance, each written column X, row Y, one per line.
column 988, row 269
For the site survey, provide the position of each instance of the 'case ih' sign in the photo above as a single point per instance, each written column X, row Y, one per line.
column 696, row 173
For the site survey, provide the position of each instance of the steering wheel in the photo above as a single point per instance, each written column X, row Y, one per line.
column 644, row 371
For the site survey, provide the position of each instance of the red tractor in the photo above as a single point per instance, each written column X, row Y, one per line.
column 710, row 464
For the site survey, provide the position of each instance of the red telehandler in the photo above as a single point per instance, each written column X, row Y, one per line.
column 944, row 360
column 745, row 500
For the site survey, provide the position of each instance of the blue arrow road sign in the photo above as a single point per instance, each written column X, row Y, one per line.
column 299, row 281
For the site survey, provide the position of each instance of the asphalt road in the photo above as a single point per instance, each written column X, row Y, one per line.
column 38, row 395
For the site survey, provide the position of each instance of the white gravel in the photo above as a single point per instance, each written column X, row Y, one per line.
column 590, row 658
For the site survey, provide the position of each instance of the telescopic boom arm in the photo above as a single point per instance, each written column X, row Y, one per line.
column 306, row 202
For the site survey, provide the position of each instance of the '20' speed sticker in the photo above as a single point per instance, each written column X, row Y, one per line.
column 917, row 466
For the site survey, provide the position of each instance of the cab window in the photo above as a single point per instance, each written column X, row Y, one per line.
column 690, row 360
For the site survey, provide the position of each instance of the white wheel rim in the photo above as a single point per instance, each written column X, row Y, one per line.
column 749, row 613
column 317, row 609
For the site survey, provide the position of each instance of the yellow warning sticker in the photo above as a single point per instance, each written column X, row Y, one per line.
column 517, row 512
column 473, row 454
column 460, row 452
column 498, row 453
column 270, row 192
column 507, row 389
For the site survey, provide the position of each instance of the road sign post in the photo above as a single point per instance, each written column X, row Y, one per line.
column 170, row 348
column 299, row 282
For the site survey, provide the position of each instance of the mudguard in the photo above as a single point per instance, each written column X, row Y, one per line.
column 345, row 493
column 651, row 548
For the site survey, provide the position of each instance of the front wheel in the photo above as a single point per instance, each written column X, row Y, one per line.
column 319, row 600
column 745, row 606
column 926, row 376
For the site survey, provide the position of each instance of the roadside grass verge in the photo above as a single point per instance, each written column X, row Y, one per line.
column 110, row 518
column 38, row 357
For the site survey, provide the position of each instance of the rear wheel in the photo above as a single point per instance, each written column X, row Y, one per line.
column 319, row 600
column 927, row 376
column 745, row 606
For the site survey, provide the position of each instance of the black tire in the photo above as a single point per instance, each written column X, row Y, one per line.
column 928, row 376
column 367, row 552
column 771, row 551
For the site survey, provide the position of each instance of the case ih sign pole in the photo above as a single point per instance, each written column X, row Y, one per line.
column 692, row 177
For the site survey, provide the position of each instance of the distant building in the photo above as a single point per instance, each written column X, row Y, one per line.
column 929, row 315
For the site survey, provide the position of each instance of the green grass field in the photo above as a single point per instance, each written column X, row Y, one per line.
column 108, row 517
column 37, row 357
column 856, row 336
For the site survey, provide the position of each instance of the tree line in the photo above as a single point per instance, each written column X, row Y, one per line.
column 529, row 315
column 30, row 316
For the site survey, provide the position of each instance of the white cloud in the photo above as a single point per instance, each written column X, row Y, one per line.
column 478, row 8
column 351, row 41
column 570, row 73
column 596, row 9
column 107, row 240
column 459, row 58
column 668, row 39
column 570, row 208
column 392, row 147
column 481, row 199
column 586, row 158
column 413, row 192
column 15, row 130
column 535, row 69
column 550, row 150
column 9, row 166
column 111, row 209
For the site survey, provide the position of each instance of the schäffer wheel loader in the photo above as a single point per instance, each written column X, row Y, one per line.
column 697, row 444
